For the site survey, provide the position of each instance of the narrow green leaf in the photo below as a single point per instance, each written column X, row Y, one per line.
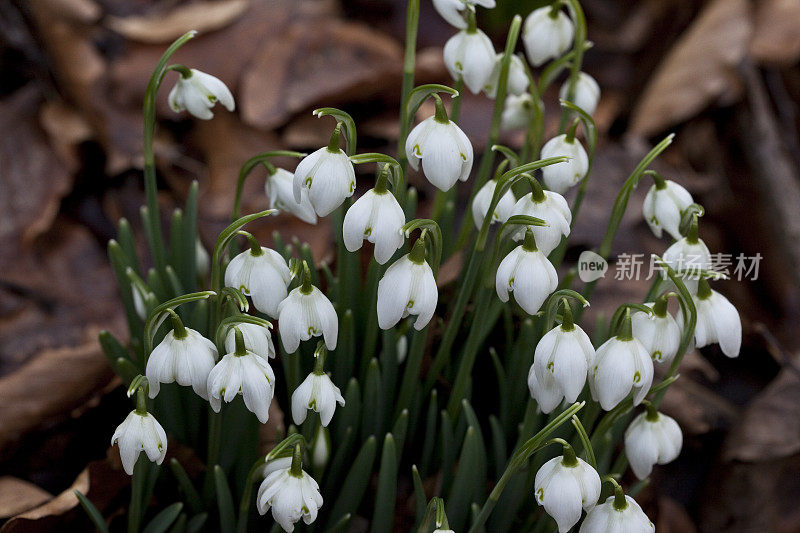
column 186, row 487
column 372, row 413
column 399, row 432
column 188, row 271
column 91, row 510
column 430, row 434
column 340, row 525
column 383, row 516
column 464, row 487
column 180, row 524
column 128, row 244
column 498, row 445
column 164, row 519
column 196, row 523
column 352, row 490
column 343, row 356
column 448, row 448
column 227, row 517
column 341, row 458
column 349, row 415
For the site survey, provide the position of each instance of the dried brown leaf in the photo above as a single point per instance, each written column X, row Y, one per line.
column 18, row 496
column 776, row 37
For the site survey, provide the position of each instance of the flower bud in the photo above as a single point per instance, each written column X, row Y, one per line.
column 407, row 288
column 303, row 315
column 718, row 321
column 316, row 392
column 445, row 151
column 547, row 34
column 140, row 431
column 483, row 199
column 527, row 273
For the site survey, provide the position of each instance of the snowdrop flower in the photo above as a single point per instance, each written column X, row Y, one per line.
column 587, row 93
column 408, row 288
column 378, row 218
column 652, row 438
column 291, row 494
column 262, row 274
column 617, row 513
column 564, row 485
column 527, row 273
column 560, row 363
column 717, row 321
column 317, row 392
column 621, row 365
column 184, row 356
column 547, row 34
column 445, row 151
column 452, row 10
column 307, row 313
column 470, row 55
column 242, row 372
column 328, row 176
column 280, row 192
column 664, row 206
column 659, row 332
column 257, row 339
column 197, row 92
column 562, row 176
column 140, row 431
column 483, row 199
column 517, row 112
column 517, row 82
column 688, row 256
column 550, row 207
column 273, row 465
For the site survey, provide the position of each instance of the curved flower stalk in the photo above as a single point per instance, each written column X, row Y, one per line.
column 140, row 431
column 444, row 150
column 517, row 82
column 560, row 177
column 280, row 192
column 408, row 288
column 527, row 273
column 328, row 176
column 483, row 199
column 257, row 339
column 550, row 207
column 658, row 332
column 317, row 392
column 260, row 273
column 718, row 321
column 453, row 11
column 197, row 92
column 470, row 55
column 307, row 313
column 547, row 34
column 291, row 493
column 587, row 92
column 664, row 206
column 242, row 372
column 618, row 513
column 689, row 256
column 652, row 438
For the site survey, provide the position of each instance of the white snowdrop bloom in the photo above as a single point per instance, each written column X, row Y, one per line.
column 470, row 55
column 609, row 517
column 307, row 313
column 561, row 176
column 659, row 333
column 527, row 273
column 517, row 82
column 652, row 438
column 378, row 218
column 408, row 288
column 280, row 192
column 242, row 372
column 621, row 365
column 663, row 207
column 564, row 485
column 198, row 93
column 688, row 256
column 316, row 392
column 587, row 93
column 139, row 431
column 202, row 260
column 264, row 277
column 328, row 176
column 717, row 321
column 184, row 356
column 483, row 199
column 554, row 210
column 445, row 150
column 257, row 339
column 291, row 496
column 547, row 34
column 560, row 364
column 517, row 112
column 452, row 10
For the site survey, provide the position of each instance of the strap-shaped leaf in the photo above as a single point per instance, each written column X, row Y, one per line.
column 464, row 486
column 91, row 510
column 190, row 494
column 164, row 519
column 227, row 517
column 383, row 515
column 352, row 490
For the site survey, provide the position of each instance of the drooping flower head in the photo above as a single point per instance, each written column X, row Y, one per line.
column 658, row 332
column 483, row 199
column 689, row 256
column 547, row 34
column 470, row 55
column 378, row 218
column 453, row 11
column 307, row 313
column 527, row 273
column 517, row 82
column 280, row 192
column 587, row 93
column 550, row 207
column 652, row 438
column 618, row 513
column 140, row 431
column 317, row 392
column 408, row 288
column 291, row 493
column 717, row 321
column 518, row 112
column 561, row 176
column 664, row 206
column 197, row 92
column 257, row 339
column 262, row 274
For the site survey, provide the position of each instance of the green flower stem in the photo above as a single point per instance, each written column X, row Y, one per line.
column 577, row 60
column 247, row 169
column 214, row 444
column 244, row 503
column 140, row 470
column 409, row 63
column 584, row 438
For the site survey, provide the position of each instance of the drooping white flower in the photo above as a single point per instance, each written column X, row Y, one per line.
column 560, row 364
column 451, row 10
column 517, row 82
column 561, row 176
column 717, row 321
column 316, row 392
column 605, row 518
column 483, row 199
column 273, row 465
column 257, row 339
column 377, row 217
column 470, row 55
column 198, row 93
column 547, row 34
column 688, row 256
column 280, row 192
column 264, row 277
column 328, row 175
column 652, row 438
column 407, row 288
column 307, row 313
column 445, row 151
column 663, row 207
column 621, row 365
column 564, row 485
column 587, row 93
column 527, row 273
column 184, row 356
column 554, row 210
column 140, row 431
column 291, row 496
column 659, row 333
column 242, row 372
column 517, row 112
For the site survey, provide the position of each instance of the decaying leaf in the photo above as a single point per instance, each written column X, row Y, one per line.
column 18, row 496
column 776, row 38
column 673, row 518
